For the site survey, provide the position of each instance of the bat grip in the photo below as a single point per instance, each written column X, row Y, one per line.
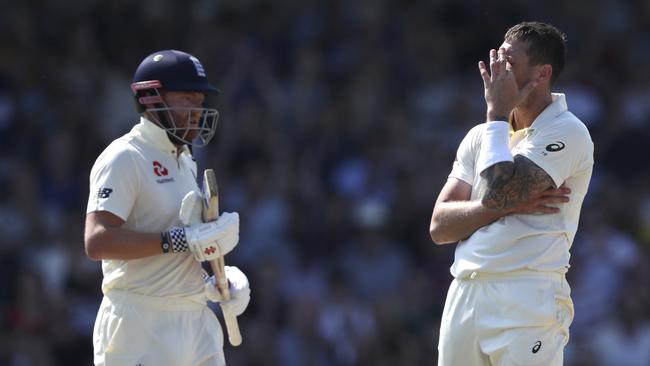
column 232, row 326
column 217, row 266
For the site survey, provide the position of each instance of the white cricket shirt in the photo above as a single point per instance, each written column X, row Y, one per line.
column 140, row 179
column 558, row 142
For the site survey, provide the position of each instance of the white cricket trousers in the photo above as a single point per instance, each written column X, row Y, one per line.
column 506, row 319
column 137, row 330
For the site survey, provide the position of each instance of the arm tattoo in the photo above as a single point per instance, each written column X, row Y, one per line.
column 509, row 184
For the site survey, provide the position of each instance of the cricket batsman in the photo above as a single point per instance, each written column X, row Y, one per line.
column 143, row 221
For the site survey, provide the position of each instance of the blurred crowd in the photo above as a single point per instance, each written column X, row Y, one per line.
column 339, row 124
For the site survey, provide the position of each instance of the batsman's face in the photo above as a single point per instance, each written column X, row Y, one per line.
column 184, row 118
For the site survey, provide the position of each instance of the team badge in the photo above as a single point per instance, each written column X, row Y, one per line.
column 159, row 169
column 200, row 71
column 162, row 173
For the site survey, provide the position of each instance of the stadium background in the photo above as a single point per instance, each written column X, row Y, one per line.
column 340, row 120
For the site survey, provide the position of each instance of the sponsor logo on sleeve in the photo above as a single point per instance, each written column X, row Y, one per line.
column 537, row 346
column 552, row 148
column 556, row 146
column 104, row 192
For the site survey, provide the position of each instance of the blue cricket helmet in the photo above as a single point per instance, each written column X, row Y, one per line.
column 175, row 71
column 172, row 70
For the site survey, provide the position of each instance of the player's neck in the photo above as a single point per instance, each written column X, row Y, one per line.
column 179, row 149
column 524, row 114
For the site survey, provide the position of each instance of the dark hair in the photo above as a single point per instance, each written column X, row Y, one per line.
column 545, row 44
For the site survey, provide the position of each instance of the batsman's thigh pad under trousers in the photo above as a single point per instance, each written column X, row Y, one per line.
column 141, row 330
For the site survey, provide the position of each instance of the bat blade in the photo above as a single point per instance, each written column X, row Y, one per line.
column 210, row 196
column 211, row 213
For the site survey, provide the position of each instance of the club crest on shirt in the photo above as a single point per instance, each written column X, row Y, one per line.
column 160, row 171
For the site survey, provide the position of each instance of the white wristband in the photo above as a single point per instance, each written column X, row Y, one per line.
column 494, row 145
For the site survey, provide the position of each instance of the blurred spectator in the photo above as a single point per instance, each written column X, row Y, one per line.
column 624, row 339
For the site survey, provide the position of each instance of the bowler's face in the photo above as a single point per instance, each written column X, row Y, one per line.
column 518, row 62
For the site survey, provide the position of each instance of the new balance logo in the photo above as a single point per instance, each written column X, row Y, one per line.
column 104, row 192
column 210, row 250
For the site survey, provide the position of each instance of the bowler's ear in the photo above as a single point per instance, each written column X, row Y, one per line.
column 545, row 72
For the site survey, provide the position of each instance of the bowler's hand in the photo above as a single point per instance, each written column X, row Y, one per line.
column 540, row 205
column 502, row 94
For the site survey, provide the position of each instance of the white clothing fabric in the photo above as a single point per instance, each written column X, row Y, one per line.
column 135, row 330
column 506, row 319
column 140, row 179
column 558, row 142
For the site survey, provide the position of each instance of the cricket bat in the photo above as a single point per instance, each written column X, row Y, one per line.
column 211, row 213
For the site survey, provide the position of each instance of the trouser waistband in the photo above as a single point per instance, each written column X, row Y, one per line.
column 524, row 273
column 155, row 302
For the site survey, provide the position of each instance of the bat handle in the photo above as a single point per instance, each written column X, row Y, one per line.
column 232, row 326
column 218, row 267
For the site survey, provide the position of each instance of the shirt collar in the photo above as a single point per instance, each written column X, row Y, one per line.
column 557, row 107
column 154, row 135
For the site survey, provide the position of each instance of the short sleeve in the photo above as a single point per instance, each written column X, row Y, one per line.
column 562, row 150
column 113, row 184
column 465, row 162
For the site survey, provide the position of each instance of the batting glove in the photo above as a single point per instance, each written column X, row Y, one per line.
column 240, row 292
column 206, row 241
column 191, row 212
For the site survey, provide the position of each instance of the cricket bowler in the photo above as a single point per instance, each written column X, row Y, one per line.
column 512, row 202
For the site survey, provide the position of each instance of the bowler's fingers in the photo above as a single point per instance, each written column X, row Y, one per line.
column 494, row 64
column 484, row 73
column 547, row 209
column 501, row 56
column 561, row 191
column 503, row 60
column 542, row 205
column 553, row 199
